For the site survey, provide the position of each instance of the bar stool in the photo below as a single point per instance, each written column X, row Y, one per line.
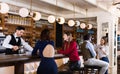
column 80, row 71
column 91, row 69
column 64, row 69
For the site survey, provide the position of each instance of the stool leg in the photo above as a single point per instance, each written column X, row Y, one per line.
column 86, row 71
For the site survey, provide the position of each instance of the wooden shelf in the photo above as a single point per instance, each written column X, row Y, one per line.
column 32, row 29
column 17, row 24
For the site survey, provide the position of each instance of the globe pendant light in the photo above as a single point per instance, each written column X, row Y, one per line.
column 82, row 25
column 4, row 8
column 36, row 16
column 77, row 23
column 61, row 20
column 71, row 23
column 89, row 26
column 51, row 19
column 23, row 12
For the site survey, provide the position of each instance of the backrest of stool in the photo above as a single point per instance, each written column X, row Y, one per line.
column 92, row 69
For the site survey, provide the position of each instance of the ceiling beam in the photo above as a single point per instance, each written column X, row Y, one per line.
column 97, row 4
column 65, row 5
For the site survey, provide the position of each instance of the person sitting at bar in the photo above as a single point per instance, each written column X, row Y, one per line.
column 103, row 50
column 70, row 49
column 13, row 42
column 89, row 55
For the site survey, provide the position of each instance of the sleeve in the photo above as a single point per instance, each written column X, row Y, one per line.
column 26, row 45
column 6, row 42
column 34, row 52
column 68, row 50
column 91, row 48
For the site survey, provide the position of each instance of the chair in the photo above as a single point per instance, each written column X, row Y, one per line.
column 88, row 69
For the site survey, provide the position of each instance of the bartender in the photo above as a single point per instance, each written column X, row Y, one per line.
column 13, row 42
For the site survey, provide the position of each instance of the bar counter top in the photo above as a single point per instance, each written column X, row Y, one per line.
column 22, row 57
column 18, row 61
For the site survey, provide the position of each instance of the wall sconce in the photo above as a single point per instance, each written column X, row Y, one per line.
column 4, row 8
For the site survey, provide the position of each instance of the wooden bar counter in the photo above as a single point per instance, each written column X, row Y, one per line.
column 18, row 61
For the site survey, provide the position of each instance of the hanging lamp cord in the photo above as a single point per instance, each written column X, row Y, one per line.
column 31, row 6
column 74, row 9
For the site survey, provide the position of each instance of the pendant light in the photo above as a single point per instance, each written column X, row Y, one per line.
column 52, row 19
column 82, row 25
column 4, row 8
column 72, row 22
column 89, row 26
column 86, row 25
column 60, row 20
column 36, row 16
column 23, row 12
column 77, row 23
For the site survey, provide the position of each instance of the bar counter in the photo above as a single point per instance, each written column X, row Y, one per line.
column 18, row 61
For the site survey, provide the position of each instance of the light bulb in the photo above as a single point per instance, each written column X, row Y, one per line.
column 36, row 16
column 89, row 26
column 77, row 23
column 4, row 8
column 71, row 23
column 23, row 12
column 61, row 20
column 51, row 19
column 82, row 25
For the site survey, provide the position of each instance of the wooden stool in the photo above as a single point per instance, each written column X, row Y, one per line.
column 81, row 70
column 65, row 70
column 91, row 69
